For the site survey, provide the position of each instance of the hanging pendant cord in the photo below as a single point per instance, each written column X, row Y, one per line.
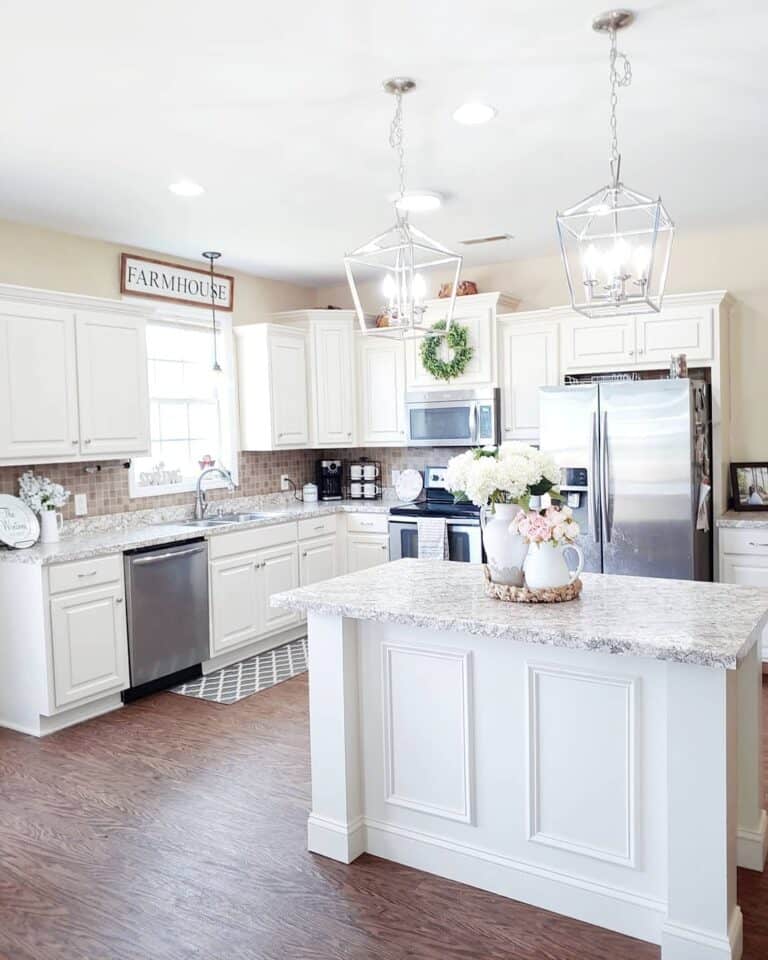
column 396, row 142
column 622, row 79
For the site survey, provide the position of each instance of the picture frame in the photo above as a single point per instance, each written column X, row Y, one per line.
column 749, row 485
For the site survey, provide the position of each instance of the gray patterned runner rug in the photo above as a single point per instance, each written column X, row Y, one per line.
column 231, row 684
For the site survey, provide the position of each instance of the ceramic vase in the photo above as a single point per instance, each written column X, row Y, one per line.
column 546, row 566
column 505, row 551
column 51, row 522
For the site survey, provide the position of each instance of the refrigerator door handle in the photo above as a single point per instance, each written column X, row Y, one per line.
column 594, row 500
column 604, row 509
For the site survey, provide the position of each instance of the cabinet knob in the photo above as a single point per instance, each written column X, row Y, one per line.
column 640, row 352
column 384, row 546
column 75, row 442
column 304, row 554
column 87, row 441
column 118, row 599
column 631, row 353
column 349, row 436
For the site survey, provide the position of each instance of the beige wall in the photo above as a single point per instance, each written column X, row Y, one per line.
column 733, row 259
column 35, row 257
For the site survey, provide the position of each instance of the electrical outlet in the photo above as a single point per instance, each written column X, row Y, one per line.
column 395, row 477
column 81, row 505
column 285, row 482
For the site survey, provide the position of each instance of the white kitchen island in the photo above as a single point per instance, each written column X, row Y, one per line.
column 599, row 758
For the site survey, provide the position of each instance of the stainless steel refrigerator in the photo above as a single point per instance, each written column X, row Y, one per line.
column 634, row 456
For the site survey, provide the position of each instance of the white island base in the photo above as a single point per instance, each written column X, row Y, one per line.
column 501, row 747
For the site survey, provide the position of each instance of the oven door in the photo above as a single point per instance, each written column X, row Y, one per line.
column 442, row 423
column 464, row 540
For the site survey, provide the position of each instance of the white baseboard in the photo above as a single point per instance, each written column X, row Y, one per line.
column 336, row 840
column 255, row 647
column 41, row 726
column 621, row 910
column 686, row 943
column 752, row 845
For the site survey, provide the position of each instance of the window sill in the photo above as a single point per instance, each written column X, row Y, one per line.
column 169, row 489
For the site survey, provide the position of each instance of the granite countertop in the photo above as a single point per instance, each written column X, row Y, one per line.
column 710, row 624
column 87, row 545
column 744, row 519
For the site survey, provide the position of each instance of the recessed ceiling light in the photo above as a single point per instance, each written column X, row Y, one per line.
column 186, row 188
column 474, row 113
column 419, row 201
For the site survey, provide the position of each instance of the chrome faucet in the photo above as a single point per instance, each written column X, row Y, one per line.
column 201, row 504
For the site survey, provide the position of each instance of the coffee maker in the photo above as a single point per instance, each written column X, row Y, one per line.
column 329, row 479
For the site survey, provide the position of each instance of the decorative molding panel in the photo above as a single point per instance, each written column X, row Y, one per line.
column 427, row 753
column 582, row 800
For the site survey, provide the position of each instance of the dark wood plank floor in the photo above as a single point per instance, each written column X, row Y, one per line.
column 175, row 829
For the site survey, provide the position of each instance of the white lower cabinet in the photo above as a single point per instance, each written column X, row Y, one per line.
column 318, row 560
column 366, row 550
column 235, row 605
column 279, row 568
column 89, row 644
column 744, row 559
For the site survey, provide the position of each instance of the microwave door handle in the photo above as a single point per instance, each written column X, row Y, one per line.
column 593, row 506
column 474, row 422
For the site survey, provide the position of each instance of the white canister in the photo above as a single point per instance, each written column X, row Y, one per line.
column 370, row 490
column 370, row 471
column 51, row 522
column 505, row 551
column 309, row 493
column 356, row 490
column 355, row 471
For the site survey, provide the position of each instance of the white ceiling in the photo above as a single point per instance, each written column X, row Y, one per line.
column 277, row 109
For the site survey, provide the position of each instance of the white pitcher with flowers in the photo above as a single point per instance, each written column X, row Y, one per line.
column 44, row 497
column 549, row 534
column 501, row 481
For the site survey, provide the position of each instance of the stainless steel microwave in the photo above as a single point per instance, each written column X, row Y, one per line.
column 453, row 418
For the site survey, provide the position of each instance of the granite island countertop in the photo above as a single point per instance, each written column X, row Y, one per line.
column 708, row 624
column 87, row 545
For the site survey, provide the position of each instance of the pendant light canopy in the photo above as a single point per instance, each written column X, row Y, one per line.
column 212, row 256
column 398, row 261
column 616, row 243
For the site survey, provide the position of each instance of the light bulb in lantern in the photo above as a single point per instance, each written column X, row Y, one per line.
column 641, row 259
column 419, row 288
column 389, row 289
column 591, row 263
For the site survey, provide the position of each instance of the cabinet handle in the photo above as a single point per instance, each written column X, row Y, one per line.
column 118, row 599
column 87, row 441
column 384, row 546
column 304, row 554
column 91, row 573
column 366, row 523
column 754, row 543
column 349, row 436
column 320, row 526
column 75, row 443
column 631, row 353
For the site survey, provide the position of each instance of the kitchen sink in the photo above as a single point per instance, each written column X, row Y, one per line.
column 202, row 523
column 224, row 518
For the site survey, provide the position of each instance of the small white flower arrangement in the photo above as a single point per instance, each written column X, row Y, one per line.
column 554, row 526
column 511, row 473
column 41, row 493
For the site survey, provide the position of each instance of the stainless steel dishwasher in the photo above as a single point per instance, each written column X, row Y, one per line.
column 167, row 605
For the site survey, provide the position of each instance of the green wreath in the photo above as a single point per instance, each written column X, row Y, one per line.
column 462, row 353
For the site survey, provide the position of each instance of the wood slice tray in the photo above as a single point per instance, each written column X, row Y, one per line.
column 502, row 591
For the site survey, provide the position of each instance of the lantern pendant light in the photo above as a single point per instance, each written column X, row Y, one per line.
column 212, row 256
column 397, row 261
column 616, row 243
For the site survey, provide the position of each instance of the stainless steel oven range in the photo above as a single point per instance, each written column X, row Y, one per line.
column 462, row 519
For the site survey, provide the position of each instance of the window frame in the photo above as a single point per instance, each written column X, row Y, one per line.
column 194, row 317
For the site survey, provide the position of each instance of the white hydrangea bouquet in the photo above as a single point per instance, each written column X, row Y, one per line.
column 41, row 493
column 511, row 473
column 503, row 479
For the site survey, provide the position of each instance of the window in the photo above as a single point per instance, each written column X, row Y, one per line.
column 191, row 408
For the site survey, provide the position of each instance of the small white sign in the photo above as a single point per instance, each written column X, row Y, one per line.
column 158, row 280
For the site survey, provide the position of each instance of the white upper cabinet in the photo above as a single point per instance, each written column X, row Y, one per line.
column 272, row 382
column 528, row 359
column 112, row 384
column 334, row 382
column 38, row 383
column 382, row 390
column 594, row 343
column 478, row 314
column 687, row 330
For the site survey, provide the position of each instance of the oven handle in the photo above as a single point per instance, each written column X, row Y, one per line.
column 450, row 521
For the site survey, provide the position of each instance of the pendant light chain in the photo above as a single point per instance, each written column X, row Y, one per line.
column 617, row 80
column 396, row 142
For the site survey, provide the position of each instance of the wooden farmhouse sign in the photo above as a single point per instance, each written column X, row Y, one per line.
column 158, row 280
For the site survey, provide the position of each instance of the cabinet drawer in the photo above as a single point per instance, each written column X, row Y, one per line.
column 367, row 522
column 244, row 541
column 744, row 541
column 317, row 526
column 85, row 573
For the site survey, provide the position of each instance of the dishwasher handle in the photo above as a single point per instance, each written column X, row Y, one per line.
column 156, row 558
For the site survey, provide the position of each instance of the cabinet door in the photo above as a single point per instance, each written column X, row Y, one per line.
column 589, row 344
column 38, row 383
column 366, row 550
column 529, row 360
column 278, row 571
column 288, row 385
column 334, row 384
column 112, row 384
column 318, row 560
column 479, row 371
column 745, row 570
column 686, row 330
column 382, row 391
column 89, row 644
column 235, row 602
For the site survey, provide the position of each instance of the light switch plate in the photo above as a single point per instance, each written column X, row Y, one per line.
column 81, row 505
column 395, row 477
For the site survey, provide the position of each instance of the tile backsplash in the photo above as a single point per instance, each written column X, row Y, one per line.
column 107, row 489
